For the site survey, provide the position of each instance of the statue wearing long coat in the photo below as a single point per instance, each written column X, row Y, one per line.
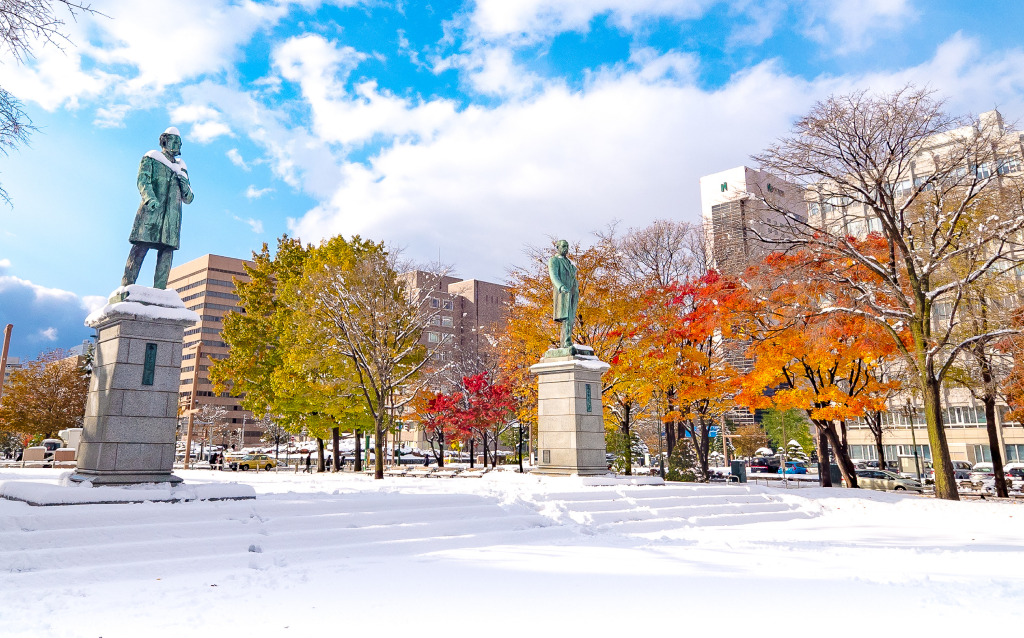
column 169, row 188
column 563, row 274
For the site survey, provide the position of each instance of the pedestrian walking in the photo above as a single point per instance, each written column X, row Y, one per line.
column 309, row 463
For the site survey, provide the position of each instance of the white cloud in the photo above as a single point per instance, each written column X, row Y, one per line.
column 255, row 224
column 50, row 334
column 5, row 264
column 840, row 25
column 631, row 145
column 112, row 116
column 529, row 20
column 207, row 123
column 93, row 302
column 236, row 159
column 255, row 193
column 140, row 50
column 854, row 25
column 321, row 69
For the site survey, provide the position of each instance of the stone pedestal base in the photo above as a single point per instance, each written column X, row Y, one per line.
column 131, row 413
column 570, row 426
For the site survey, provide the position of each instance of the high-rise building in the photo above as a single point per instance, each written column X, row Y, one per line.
column 742, row 228
column 206, row 286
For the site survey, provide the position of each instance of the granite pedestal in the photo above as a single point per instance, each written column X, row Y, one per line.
column 570, row 425
column 131, row 412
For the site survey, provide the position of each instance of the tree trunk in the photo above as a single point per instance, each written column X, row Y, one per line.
column 703, row 448
column 494, row 457
column 824, row 464
column 842, row 457
column 472, row 452
column 519, row 448
column 335, row 435
column 486, row 449
column 877, row 431
column 670, row 430
column 945, row 481
column 993, row 442
column 319, row 455
column 378, row 449
column 357, row 465
column 629, row 443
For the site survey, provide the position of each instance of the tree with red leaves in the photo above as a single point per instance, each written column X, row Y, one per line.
column 484, row 408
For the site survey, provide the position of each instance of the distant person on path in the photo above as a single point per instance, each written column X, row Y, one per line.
column 309, row 463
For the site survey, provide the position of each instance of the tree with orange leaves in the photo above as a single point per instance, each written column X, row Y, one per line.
column 821, row 363
column 683, row 355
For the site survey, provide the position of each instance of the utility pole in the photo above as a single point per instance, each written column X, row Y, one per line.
column 192, row 405
column 3, row 356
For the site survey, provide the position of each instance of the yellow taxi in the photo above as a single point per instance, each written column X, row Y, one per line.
column 251, row 462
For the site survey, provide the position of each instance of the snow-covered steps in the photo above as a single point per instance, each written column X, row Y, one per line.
column 87, row 542
column 655, row 510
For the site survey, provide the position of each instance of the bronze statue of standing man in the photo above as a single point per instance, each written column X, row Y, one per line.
column 566, row 292
column 163, row 183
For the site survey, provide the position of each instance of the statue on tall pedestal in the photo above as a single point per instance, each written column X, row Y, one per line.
column 163, row 183
column 131, row 412
column 570, row 425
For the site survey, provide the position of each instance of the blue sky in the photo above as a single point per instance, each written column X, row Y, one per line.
column 465, row 128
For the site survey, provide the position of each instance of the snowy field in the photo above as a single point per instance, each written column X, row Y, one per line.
column 508, row 554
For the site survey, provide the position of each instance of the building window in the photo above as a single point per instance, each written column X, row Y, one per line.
column 982, row 453
column 1015, row 453
column 447, row 322
column 448, row 305
column 435, row 303
column 435, row 321
column 1009, row 165
column 433, row 337
column 901, row 189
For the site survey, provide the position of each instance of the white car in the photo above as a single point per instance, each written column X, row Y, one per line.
column 886, row 481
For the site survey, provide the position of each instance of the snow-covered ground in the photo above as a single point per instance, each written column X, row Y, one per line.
column 509, row 554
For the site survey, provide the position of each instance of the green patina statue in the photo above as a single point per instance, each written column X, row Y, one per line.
column 566, row 293
column 163, row 183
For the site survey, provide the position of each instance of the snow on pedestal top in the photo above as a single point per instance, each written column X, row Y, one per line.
column 143, row 302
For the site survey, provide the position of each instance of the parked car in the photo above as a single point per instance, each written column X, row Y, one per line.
column 252, row 461
column 766, row 464
column 891, row 465
column 794, row 467
column 1016, row 472
column 885, row 481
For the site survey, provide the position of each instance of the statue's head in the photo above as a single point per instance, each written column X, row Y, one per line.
column 562, row 247
column 170, row 140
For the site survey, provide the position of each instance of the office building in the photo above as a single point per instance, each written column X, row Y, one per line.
column 742, row 228
column 206, row 286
